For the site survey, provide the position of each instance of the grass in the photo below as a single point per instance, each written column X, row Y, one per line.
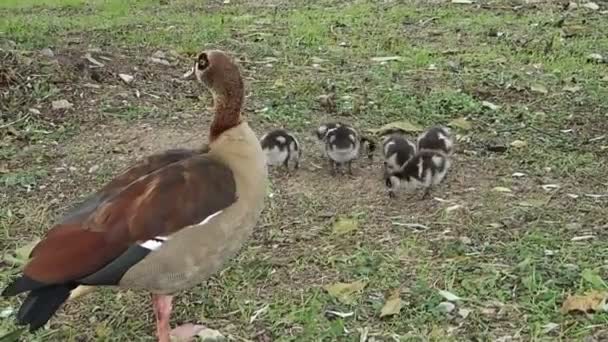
column 513, row 257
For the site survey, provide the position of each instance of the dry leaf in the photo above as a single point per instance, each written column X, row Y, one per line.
column 386, row 59
column 446, row 307
column 591, row 301
column 592, row 6
column 449, row 296
column 344, row 225
column 539, row 88
column 404, row 125
column 518, row 143
column 464, row 2
column 392, row 306
column 461, row 123
column 126, row 78
column 22, row 254
column 61, row 104
column 490, row 105
column 501, row 189
column 344, row 291
column 572, row 89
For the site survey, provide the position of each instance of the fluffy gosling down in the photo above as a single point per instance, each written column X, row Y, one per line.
column 342, row 144
column 281, row 148
column 427, row 167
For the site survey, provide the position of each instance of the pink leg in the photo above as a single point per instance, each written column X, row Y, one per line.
column 162, row 311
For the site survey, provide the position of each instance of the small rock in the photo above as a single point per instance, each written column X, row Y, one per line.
column 34, row 111
column 592, row 6
column 446, row 307
column 47, row 52
column 126, row 78
column 518, row 174
column 572, row 5
column 72, row 169
column 61, row 104
column 94, row 168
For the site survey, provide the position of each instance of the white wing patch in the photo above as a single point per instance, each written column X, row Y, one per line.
column 281, row 140
column 208, row 218
column 157, row 241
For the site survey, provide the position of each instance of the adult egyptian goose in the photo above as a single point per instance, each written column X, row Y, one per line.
column 164, row 225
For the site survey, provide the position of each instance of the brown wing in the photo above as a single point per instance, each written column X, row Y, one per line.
column 120, row 182
column 158, row 204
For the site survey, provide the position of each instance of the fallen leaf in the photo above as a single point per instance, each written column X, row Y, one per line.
column 392, row 305
column 404, row 125
column 539, row 88
column 464, row 2
column 592, row 6
column 591, row 301
column 446, row 307
column 344, row 291
column 501, row 189
column 61, row 104
column 126, row 78
column 93, row 60
column 518, row 143
column 159, row 61
column 533, row 203
column 339, row 314
column 547, row 328
column 386, row 59
column 6, row 312
column 449, row 296
column 596, row 57
column 464, row 313
column 210, row 335
column 452, row 208
column 21, row 254
column 549, row 187
column 490, row 105
column 518, row 174
column 461, row 123
column 344, row 225
column 593, row 278
column 583, row 237
column 572, row 89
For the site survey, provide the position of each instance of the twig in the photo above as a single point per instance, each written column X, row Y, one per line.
column 14, row 122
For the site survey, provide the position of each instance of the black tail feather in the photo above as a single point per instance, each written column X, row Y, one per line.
column 22, row 284
column 41, row 304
